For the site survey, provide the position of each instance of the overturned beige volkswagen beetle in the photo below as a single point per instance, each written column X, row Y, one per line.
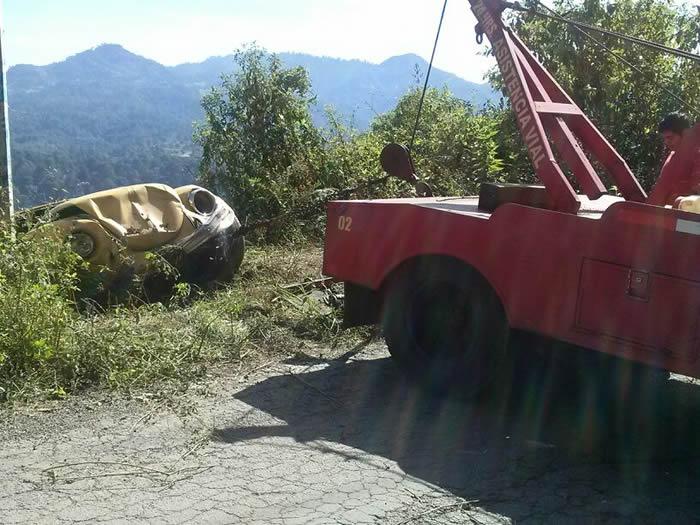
column 193, row 229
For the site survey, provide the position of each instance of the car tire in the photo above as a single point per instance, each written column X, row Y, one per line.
column 445, row 326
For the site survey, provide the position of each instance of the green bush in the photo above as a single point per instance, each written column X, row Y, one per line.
column 37, row 282
column 455, row 146
column 260, row 148
column 263, row 153
column 455, row 149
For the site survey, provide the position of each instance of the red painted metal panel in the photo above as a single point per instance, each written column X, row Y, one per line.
column 650, row 309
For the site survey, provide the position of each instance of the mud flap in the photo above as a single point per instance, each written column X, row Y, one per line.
column 362, row 306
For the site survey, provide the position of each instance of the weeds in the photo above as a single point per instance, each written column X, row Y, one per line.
column 49, row 349
column 37, row 281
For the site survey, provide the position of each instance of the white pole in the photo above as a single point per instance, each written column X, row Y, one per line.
column 6, row 193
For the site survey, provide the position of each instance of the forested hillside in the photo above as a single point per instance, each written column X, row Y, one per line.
column 108, row 117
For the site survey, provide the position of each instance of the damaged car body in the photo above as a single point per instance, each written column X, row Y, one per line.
column 116, row 231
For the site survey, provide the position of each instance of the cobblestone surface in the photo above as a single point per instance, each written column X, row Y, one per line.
column 351, row 442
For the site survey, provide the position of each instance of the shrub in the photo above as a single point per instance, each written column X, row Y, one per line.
column 260, row 148
column 38, row 279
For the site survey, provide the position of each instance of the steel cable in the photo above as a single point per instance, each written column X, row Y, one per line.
column 427, row 77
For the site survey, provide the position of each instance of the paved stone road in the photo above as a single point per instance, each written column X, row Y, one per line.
column 351, row 442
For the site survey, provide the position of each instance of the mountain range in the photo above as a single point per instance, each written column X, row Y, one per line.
column 107, row 117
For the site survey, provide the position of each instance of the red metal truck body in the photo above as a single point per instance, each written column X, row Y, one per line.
column 618, row 277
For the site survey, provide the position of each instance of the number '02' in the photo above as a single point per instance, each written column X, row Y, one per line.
column 344, row 223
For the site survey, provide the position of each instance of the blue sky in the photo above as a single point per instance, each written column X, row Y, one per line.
column 177, row 31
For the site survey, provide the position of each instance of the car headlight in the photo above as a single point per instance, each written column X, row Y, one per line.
column 82, row 244
column 202, row 201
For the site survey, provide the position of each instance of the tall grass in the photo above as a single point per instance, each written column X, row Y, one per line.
column 50, row 346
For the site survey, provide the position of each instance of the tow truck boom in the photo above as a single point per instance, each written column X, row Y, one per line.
column 542, row 106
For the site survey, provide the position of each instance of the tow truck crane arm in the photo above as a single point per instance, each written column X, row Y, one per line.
column 543, row 108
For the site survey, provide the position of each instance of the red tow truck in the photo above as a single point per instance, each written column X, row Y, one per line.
column 448, row 278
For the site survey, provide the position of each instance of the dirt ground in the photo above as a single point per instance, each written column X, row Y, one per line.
column 348, row 440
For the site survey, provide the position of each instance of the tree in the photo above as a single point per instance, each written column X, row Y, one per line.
column 260, row 149
column 454, row 148
column 625, row 105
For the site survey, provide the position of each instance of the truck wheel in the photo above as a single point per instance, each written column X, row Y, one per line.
column 445, row 326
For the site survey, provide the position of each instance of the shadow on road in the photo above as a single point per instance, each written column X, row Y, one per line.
column 545, row 436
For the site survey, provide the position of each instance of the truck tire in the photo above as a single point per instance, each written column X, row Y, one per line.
column 445, row 326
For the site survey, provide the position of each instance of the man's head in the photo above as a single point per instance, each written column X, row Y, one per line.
column 672, row 128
